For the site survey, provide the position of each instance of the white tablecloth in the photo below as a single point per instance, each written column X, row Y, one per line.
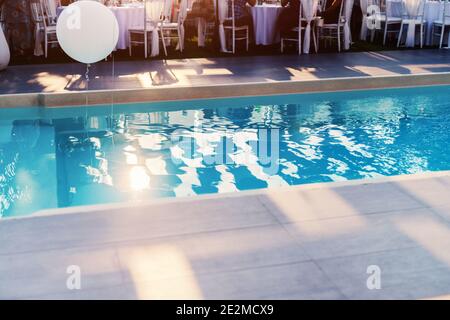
column 264, row 23
column 432, row 12
column 128, row 18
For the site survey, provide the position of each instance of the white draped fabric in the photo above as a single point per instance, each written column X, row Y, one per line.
column 309, row 12
column 223, row 14
column 201, row 31
column 364, row 5
column 52, row 5
column 181, row 18
column 348, row 8
column 412, row 8
column 153, row 11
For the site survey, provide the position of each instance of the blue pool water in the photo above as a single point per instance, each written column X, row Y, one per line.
column 66, row 157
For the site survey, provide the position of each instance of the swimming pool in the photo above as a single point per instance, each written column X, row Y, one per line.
column 62, row 157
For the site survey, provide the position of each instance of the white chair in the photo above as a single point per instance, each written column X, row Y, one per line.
column 297, row 31
column 386, row 19
column 42, row 22
column 335, row 31
column 50, row 10
column 441, row 24
column 174, row 30
column 413, row 17
column 230, row 24
column 153, row 13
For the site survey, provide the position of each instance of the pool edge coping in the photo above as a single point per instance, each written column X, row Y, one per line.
column 220, row 91
column 102, row 208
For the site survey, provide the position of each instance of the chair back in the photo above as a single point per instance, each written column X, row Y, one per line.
column 445, row 9
column 413, row 9
column 153, row 15
column 308, row 8
column 167, row 12
column 341, row 13
column 223, row 10
column 49, row 7
column 346, row 10
column 38, row 15
column 182, row 11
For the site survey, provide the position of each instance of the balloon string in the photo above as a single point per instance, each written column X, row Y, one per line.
column 86, row 75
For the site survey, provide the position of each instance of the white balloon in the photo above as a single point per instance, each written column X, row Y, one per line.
column 87, row 31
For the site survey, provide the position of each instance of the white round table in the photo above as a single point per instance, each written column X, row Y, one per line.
column 264, row 23
column 432, row 12
column 128, row 18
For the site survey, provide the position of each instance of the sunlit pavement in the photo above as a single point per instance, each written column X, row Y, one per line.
column 195, row 72
column 325, row 241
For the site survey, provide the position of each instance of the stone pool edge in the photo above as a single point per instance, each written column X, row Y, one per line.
column 179, row 93
column 241, row 194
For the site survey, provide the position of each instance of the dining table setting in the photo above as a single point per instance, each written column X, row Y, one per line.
column 129, row 16
column 265, row 14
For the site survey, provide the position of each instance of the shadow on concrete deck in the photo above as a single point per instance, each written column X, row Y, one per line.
column 193, row 72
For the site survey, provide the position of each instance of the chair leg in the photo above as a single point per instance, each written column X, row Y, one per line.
column 129, row 43
column 317, row 39
column 180, row 43
column 248, row 38
column 339, row 38
column 372, row 35
column 233, row 40
column 385, row 33
column 421, row 35
column 282, row 45
column 314, row 39
column 442, row 36
column 400, row 35
column 163, row 41
column 46, row 45
column 145, row 45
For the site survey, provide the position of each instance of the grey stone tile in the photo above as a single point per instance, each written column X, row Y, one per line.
column 413, row 273
column 365, row 234
column 90, row 228
column 33, row 274
column 120, row 292
column 430, row 192
column 443, row 211
column 302, row 204
column 293, row 281
column 213, row 252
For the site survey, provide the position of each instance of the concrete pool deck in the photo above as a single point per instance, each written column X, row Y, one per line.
column 304, row 242
column 158, row 80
